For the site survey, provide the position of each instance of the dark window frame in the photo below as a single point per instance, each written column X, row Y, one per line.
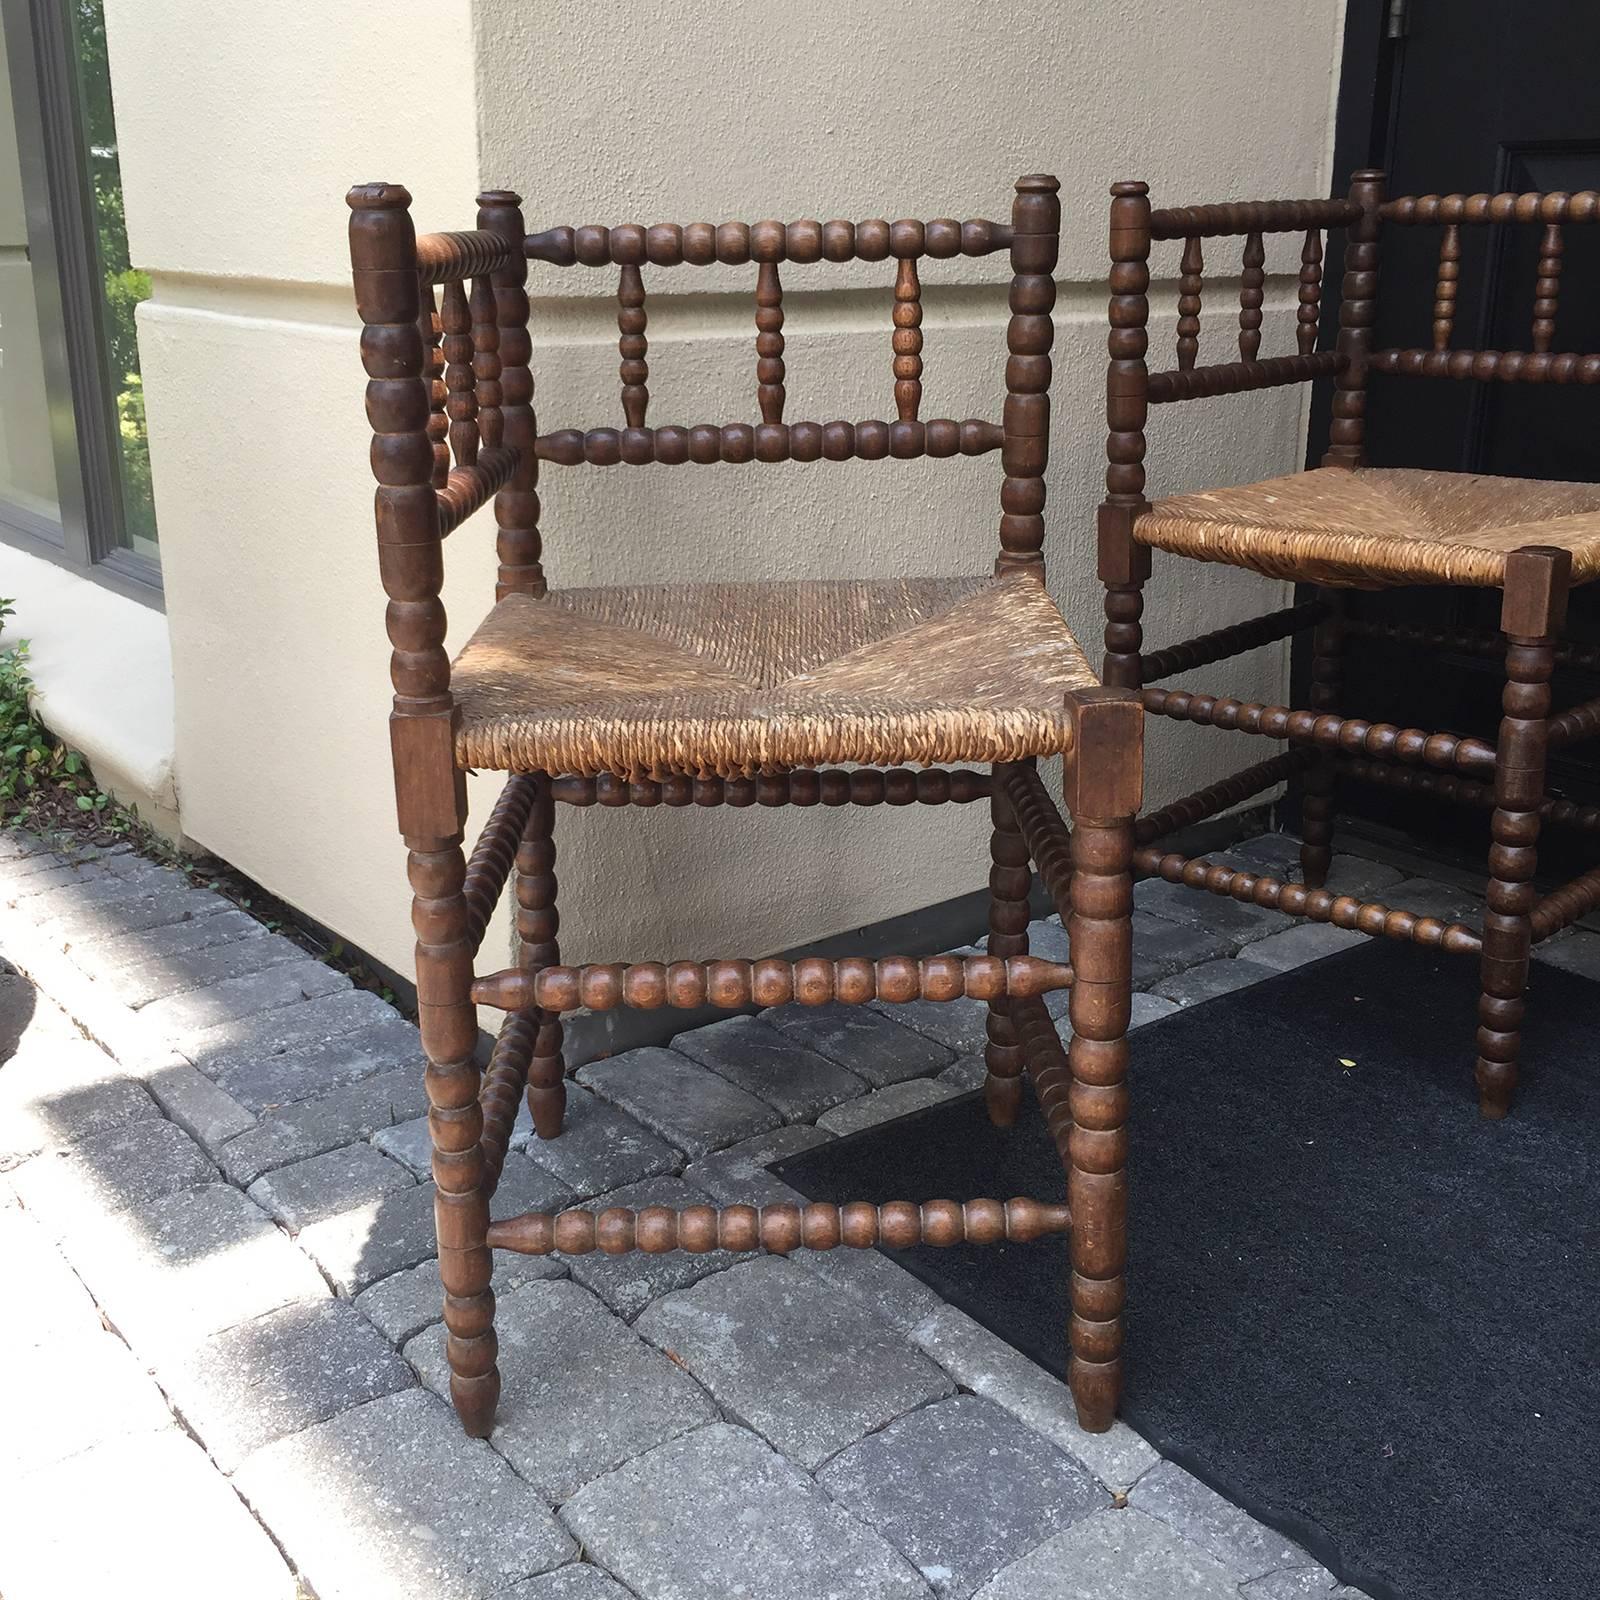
column 62, row 246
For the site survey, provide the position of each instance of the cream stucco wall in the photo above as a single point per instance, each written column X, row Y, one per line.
column 610, row 111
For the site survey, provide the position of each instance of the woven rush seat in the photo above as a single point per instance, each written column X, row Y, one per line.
column 1374, row 527
column 734, row 679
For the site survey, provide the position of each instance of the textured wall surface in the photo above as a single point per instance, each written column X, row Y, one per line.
column 609, row 112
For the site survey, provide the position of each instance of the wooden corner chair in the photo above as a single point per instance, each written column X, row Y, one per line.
column 733, row 694
column 1343, row 526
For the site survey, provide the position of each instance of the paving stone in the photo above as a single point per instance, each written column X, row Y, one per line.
column 984, row 1363
column 581, row 1392
column 683, row 1102
column 580, row 1581
column 1308, row 941
column 230, row 1000
column 392, row 1500
column 794, row 1081
column 384, row 1235
column 205, row 1112
column 966, row 1074
column 218, row 1051
column 265, row 1081
column 600, row 1147
column 1210, row 979
column 112, row 919
column 1148, row 1008
column 1429, row 897
column 961, row 1026
column 1274, row 853
column 217, row 929
column 931, row 1484
column 629, row 1283
column 277, row 1374
column 648, row 1523
column 109, row 1172
column 1121, row 1554
column 1161, row 948
column 62, row 1092
column 87, row 883
column 875, row 1047
column 326, row 1185
column 808, row 1369
column 160, row 976
column 58, row 1305
column 1197, row 908
column 883, row 1286
column 884, row 1105
column 1575, row 951
column 173, row 1270
column 103, row 1393
column 738, row 1175
column 163, row 1522
column 409, row 1143
column 1361, row 876
column 310, row 1127
column 403, row 1304
column 1228, row 1535
column 1293, row 1583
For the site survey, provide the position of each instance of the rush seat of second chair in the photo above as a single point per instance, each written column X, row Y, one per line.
column 1343, row 526
column 734, row 694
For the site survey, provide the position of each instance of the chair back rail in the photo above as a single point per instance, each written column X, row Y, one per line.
column 472, row 319
column 1362, row 213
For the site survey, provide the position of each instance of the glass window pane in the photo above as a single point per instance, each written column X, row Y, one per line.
column 28, row 495
column 121, row 286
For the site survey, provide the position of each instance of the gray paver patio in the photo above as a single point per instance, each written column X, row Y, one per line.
column 391, row 1500
column 932, row 1482
column 796, row 1082
column 888, row 1409
column 582, row 1393
column 680, row 1100
column 648, row 1522
column 809, row 1370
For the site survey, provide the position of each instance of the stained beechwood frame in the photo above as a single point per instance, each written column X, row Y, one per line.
column 1506, row 777
column 449, row 396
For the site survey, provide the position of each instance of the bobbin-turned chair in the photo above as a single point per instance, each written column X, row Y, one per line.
column 1346, row 526
column 733, row 694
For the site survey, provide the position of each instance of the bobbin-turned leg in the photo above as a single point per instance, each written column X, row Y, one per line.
column 1009, row 879
column 449, row 1026
column 1316, row 801
column 537, row 925
column 430, row 790
column 1532, row 617
column 1103, row 790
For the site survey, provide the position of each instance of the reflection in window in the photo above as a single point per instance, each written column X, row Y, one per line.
column 121, row 286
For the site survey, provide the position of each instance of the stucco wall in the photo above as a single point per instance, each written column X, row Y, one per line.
column 610, row 111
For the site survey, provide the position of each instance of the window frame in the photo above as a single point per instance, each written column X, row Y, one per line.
column 63, row 249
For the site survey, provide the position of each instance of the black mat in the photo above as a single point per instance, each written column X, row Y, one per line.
column 1355, row 1308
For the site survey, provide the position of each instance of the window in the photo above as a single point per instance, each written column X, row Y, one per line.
column 74, row 459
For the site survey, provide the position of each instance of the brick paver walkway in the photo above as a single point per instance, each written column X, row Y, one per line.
column 223, row 1360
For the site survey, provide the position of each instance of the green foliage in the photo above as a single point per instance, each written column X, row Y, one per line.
column 33, row 761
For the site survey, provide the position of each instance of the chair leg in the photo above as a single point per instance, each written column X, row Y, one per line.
column 1009, row 879
column 1533, row 616
column 1316, row 801
column 449, row 1027
column 1104, row 783
column 537, row 923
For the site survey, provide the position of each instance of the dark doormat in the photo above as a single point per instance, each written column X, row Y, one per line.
column 1356, row 1309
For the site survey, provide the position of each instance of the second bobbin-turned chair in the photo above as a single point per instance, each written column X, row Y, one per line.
column 733, row 694
column 1347, row 526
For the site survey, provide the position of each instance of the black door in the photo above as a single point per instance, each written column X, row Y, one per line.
column 1452, row 96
